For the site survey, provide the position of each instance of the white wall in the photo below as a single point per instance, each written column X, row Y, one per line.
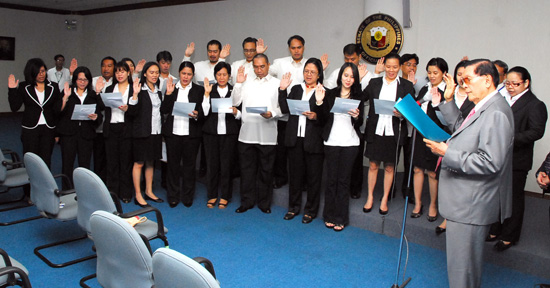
column 497, row 29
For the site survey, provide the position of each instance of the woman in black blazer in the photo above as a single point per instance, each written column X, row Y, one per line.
column 144, row 110
column 42, row 101
column 117, row 130
column 77, row 136
column 220, row 132
column 381, row 147
column 182, row 135
column 304, row 142
column 342, row 137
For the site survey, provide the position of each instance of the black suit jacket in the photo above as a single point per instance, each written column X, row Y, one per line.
column 210, row 126
column 127, row 132
column 196, row 95
column 67, row 127
column 530, row 117
column 327, row 118
column 313, row 140
column 141, row 114
column 372, row 92
column 25, row 94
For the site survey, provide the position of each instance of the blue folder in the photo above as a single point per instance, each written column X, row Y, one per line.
column 426, row 126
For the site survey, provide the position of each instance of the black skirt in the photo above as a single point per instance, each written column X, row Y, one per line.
column 423, row 156
column 383, row 149
column 148, row 148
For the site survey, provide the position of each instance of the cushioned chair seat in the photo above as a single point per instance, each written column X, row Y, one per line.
column 16, row 177
column 173, row 269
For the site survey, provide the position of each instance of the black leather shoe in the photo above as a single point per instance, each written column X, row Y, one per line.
column 307, row 219
column 382, row 212
column 187, row 204
column 439, row 230
column 241, row 209
column 173, row 204
column 491, row 238
column 289, row 215
column 127, row 200
column 417, row 215
column 501, row 246
column 367, row 210
column 266, row 211
column 278, row 185
column 158, row 200
column 141, row 205
column 355, row 196
column 431, row 218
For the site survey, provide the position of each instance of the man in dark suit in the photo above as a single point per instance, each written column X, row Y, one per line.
column 529, row 121
column 476, row 171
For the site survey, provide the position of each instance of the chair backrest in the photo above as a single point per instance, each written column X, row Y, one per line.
column 173, row 269
column 123, row 259
column 92, row 195
column 3, row 169
column 43, row 185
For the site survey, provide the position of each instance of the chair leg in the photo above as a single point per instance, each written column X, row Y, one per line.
column 54, row 265
column 84, row 279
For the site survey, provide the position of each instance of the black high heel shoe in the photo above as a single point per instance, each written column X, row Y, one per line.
column 158, row 200
column 439, row 230
column 141, row 205
column 417, row 215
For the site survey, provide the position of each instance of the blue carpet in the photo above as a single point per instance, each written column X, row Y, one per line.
column 248, row 250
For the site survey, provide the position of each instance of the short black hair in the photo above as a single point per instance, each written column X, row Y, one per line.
column 407, row 57
column 319, row 65
column 214, row 42
column 485, row 67
column 126, row 59
column 108, row 58
column 164, row 55
column 187, row 64
column 122, row 65
column 439, row 63
column 261, row 55
column 351, row 49
column 392, row 55
column 57, row 56
column 523, row 74
column 148, row 65
column 296, row 37
column 502, row 65
column 32, row 68
column 87, row 74
column 461, row 64
column 220, row 66
column 249, row 40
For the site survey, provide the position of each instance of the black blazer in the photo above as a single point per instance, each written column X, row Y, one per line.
column 67, row 127
column 466, row 107
column 210, row 126
column 25, row 94
column 141, row 114
column 327, row 118
column 313, row 141
column 372, row 92
column 127, row 131
column 196, row 95
column 530, row 117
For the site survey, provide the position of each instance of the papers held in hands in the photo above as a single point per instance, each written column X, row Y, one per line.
column 183, row 109
column 342, row 106
column 297, row 107
column 112, row 100
column 222, row 105
column 422, row 122
column 256, row 110
column 81, row 112
column 383, row 107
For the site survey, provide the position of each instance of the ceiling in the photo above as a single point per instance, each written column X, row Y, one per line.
column 87, row 7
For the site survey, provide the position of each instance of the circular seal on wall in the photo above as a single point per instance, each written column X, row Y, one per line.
column 378, row 35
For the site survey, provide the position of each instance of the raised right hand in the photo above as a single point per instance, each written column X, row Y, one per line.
column 207, row 87
column 241, row 77
column 319, row 94
column 285, row 81
column 450, row 88
column 12, row 83
column 190, row 49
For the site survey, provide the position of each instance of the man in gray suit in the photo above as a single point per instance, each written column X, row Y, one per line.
column 475, row 182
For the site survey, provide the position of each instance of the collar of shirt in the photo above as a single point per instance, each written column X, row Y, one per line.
column 223, row 91
column 183, row 88
column 265, row 79
column 299, row 63
column 146, row 87
column 386, row 83
column 511, row 100
column 480, row 104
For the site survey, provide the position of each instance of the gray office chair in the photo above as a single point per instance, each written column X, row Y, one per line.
column 12, row 272
column 13, row 175
column 92, row 195
column 51, row 202
column 173, row 269
column 123, row 257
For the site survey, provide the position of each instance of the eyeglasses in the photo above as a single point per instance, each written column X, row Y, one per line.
column 249, row 50
column 512, row 84
column 82, row 79
column 309, row 72
column 467, row 80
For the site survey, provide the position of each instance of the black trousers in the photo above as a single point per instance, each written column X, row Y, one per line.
column 510, row 229
column 181, row 154
column 357, row 171
column 119, row 162
column 306, row 166
column 100, row 157
column 39, row 141
column 338, row 163
column 280, row 171
column 256, row 174
column 220, row 151
column 71, row 147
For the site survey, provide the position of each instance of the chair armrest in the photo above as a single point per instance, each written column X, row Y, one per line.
column 147, row 244
column 6, row 258
column 116, row 200
column 141, row 211
column 11, row 164
column 66, row 178
column 15, row 161
column 60, row 193
column 11, row 271
column 207, row 264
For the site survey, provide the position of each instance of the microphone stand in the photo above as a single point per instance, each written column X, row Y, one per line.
column 395, row 284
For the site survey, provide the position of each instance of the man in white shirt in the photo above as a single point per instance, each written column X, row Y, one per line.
column 205, row 69
column 164, row 58
column 59, row 74
column 258, row 134
column 251, row 47
column 502, row 68
column 352, row 54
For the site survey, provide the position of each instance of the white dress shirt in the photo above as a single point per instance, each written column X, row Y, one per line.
column 117, row 115
column 40, row 96
column 258, row 93
column 181, row 124
column 156, row 119
column 162, row 83
column 384, row 127
column 59, row 77
column 284, row 65
column 248, row 70
column 302, row 120
column 204, row 69
column 331, row 81
column 511, row 100
column 99, row 128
